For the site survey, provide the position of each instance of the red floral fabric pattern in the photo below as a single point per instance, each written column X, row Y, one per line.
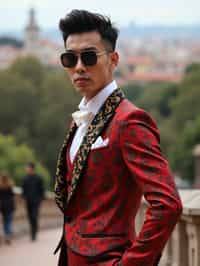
column 109, row 192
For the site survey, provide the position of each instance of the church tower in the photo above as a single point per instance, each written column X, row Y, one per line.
column 32, row 34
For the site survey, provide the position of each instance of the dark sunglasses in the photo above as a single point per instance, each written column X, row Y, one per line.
column 88, row 58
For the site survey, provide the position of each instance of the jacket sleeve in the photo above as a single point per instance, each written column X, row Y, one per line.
column 139, row 140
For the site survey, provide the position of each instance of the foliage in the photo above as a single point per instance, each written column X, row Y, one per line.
column 36, row 105
column 185, row 107
column 14, row 157
column 194, row 67
column 176, row 109
column 182, row 152
column 17, row 102
column 154, row 97
column 58, row 101
column 29, row 68
column 133, row 91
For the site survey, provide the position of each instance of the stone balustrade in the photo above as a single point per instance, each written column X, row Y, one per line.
column 183, row 247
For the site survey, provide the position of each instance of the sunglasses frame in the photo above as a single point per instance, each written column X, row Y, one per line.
column 81, row 55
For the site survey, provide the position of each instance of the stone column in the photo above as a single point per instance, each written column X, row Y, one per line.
column 179, row 249
column 196, row 154
column 193, row 230
column 191, row 212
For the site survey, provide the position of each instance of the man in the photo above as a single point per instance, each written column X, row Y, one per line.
column 110, row 158
column 33, row 193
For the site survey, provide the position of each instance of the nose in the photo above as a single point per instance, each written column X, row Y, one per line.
column 80, row 67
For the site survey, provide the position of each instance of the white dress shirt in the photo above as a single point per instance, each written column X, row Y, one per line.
column 92, row 106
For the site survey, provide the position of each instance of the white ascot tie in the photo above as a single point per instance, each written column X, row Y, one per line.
column 82, row 119
column 82, row 116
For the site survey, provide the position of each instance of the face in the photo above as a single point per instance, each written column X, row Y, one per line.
column 29, row 170
column 89, row 80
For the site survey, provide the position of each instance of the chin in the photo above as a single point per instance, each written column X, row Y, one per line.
column 81, row 90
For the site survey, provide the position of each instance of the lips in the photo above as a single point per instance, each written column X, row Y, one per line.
column 81, row 81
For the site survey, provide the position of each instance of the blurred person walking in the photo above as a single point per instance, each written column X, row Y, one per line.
column 7, row 205
column 33, row 193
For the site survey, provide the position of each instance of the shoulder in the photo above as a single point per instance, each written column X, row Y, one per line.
column 129, row 116
column 129, row 112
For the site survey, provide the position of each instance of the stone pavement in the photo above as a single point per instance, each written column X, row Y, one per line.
column 23, row 252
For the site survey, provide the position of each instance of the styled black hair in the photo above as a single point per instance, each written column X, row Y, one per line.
column 31, row 165
column 79, row 21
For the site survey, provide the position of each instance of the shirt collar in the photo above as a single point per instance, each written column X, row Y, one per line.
column 98, row 100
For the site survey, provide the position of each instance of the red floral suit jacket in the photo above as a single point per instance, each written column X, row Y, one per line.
column 101, row 202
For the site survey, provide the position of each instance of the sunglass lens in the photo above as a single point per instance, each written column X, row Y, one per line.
column 69, row 59
column 89, row 58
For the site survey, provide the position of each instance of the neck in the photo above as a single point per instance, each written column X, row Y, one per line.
column 90, row 96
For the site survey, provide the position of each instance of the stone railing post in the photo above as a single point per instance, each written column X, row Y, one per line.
column 196, row 154
column 191, row 214
column 179, row 245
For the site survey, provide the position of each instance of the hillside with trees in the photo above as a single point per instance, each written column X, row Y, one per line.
column 176, row 109
column 35, row 108
column 36, row 105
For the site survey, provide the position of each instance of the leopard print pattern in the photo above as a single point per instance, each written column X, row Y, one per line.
column 61, row 170
column 94, row 130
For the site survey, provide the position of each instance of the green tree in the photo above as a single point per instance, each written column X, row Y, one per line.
column 18, row 103
column 58, row 101
column 35, row 106
column 133, row 91
column 185, row 107
column 194, row 67
column 14, row 157
column 156, row 99
column 181, row 154
column 31, row 69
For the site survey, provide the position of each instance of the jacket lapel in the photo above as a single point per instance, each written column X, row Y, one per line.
column 61, row 170
column 100, row 121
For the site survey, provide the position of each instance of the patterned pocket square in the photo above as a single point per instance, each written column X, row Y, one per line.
column 99, row 143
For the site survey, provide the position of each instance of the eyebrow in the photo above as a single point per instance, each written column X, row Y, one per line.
column 91, row 48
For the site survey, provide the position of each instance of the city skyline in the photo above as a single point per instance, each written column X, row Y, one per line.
column 14, row 13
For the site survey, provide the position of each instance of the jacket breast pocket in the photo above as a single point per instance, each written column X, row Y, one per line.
column 100, row 148
column 100, row 143
column 99, row 155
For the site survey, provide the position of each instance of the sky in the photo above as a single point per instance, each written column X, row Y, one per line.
column 14, row 13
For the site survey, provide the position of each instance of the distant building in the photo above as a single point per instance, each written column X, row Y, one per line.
column 142, row 59
column 8, row 54
column 32, row 34
column 46, row 51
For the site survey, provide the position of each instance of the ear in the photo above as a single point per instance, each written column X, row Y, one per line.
column 114, row 59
